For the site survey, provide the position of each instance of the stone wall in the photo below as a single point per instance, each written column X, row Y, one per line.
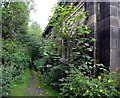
column 103, row 32
column 114, row 27
column 119, row 38
column 91, row 21
column 104, row 20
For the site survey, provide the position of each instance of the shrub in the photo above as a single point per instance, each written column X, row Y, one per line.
column 14, row 61
column 49, row 69
column 76, row 44
column 78, row 83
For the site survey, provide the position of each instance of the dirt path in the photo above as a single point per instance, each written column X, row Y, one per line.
column 32, row 90
column 31, row 85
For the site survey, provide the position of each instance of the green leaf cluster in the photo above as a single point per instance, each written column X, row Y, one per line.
column 79, row 84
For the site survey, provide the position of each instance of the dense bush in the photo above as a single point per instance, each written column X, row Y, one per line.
column 14, row 62
column 17, row 41
column 77, row 45
column 78, row 83
column 49, row 70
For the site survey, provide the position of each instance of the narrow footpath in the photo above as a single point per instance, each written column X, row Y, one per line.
column 32, row 90
column 31, row 85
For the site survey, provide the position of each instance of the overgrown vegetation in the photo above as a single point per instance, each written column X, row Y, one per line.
column 62, row 60
column 14, row 62
column 17, row 42
column 66, row 61
column 19, row 86
column 21, row 46
column 46, row 88
column 14, row 57
column 78, row 83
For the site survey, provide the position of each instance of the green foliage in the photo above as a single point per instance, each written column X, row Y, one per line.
column 6, row 80
column 68, row 50
column 46, row 88
column 34, row 41
column 18, row 86
column 14, row 61
column 78, row 83
column 48, row 70
column 62, row 59
column 21, row 43
column 75, row 44
column 74, row 36
column 15, row 17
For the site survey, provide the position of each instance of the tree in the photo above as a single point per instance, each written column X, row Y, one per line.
column 15, row 17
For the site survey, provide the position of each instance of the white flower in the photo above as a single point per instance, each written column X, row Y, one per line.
column 49, row 65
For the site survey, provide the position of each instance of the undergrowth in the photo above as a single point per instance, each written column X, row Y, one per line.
column 18, row 87
column 45, row 88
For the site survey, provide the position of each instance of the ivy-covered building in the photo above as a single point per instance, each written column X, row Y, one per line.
column 104, row 20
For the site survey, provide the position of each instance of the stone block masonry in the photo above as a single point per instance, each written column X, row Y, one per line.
column 107, row 34
column 119, row 38
column 104, row 20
